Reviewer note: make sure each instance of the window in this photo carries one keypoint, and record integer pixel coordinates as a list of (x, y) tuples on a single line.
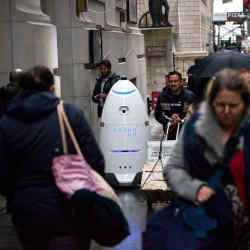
[(95, 46), (132, 11)]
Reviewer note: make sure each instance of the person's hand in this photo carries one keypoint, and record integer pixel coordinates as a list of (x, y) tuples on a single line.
[(175, 119), (99, 96), (204, 194)]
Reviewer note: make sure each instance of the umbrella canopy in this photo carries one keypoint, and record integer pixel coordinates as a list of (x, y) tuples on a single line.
[(217, 61)]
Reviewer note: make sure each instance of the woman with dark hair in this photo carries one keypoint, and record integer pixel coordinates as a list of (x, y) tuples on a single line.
[(38, 78), (29, 140), (209, 164)]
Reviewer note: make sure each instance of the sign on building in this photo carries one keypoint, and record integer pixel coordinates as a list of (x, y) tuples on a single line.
[(236, 17)]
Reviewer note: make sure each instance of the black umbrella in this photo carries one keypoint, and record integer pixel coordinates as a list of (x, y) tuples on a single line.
[(217, 61)]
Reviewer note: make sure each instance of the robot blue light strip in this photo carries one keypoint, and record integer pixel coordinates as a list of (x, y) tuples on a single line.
[(123, 93)]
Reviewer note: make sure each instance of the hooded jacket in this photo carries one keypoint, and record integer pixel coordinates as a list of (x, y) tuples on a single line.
[(29, 140), (168, 104), (7, 93)]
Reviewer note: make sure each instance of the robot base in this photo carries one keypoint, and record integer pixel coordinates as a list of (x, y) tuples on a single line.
[(113, 181)]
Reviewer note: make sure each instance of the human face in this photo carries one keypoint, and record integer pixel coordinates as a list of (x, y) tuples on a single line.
[(175, 84), (246, 76), (167, 82), (229, 108), (104, 70)]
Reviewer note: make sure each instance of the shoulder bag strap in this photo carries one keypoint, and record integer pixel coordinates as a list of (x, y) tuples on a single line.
[(68, 127), (62, 129)]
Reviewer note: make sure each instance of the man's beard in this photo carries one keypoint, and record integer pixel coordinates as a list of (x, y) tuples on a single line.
[(175, 90)]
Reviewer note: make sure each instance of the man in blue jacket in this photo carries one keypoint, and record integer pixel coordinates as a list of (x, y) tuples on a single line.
[(172, 103)]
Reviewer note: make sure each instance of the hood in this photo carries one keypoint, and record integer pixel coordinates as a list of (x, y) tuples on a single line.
[(32, 105), (11, 90)]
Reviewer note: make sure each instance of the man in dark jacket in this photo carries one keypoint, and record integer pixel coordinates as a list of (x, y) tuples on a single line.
[(8, 92), (30, 139), (103, 85), (172, 103)]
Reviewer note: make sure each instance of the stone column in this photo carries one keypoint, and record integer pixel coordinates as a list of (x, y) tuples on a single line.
[(72, 53), (159, 56), (6, 42)]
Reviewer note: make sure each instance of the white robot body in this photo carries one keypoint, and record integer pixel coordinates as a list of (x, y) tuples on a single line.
[(124, 133)]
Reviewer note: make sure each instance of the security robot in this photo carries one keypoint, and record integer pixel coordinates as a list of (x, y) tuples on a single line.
[(124, 134)]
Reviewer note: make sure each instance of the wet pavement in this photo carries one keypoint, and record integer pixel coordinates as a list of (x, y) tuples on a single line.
[(134, 205)]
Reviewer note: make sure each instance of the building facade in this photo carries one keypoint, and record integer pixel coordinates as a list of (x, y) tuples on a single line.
[(70, 37), (176, 48)]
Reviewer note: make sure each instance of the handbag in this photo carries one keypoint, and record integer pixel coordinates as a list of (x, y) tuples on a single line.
[(96, 208), (203, 227), (72, 172)]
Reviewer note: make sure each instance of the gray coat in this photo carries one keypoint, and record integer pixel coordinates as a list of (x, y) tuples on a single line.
[(176, 172)]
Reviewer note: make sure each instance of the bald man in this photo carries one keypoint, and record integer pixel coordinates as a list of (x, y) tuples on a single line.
[(8, 92)]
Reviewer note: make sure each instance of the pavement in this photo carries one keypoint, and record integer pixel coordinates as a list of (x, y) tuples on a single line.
[(134, 204)]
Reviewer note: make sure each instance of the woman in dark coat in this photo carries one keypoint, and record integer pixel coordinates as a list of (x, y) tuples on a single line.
[(29, 140)]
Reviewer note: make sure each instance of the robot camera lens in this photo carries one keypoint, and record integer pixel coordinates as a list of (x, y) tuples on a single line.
[(123, 110)]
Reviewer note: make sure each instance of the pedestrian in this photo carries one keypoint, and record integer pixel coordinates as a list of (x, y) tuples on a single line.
[(8, 92), (209, 164), (103, 85), (172, 103), (29, 140), (193, 80), (246, 74)]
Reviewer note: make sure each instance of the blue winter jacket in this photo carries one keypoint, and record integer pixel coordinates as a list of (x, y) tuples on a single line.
[(29, 140)]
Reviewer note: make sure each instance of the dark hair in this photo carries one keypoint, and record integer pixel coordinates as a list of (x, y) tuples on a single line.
[(197, 60), (228, 79), (175, 73), (107, 63), (38, 78), (15, 76)]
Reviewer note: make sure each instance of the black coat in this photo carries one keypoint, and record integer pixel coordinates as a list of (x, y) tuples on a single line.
[(168, 104), (7, 93), (112, 79), (29, 140)]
